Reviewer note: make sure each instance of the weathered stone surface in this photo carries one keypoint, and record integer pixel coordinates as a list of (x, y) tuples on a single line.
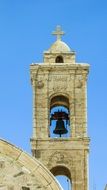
[(67, 79), (19, 170)]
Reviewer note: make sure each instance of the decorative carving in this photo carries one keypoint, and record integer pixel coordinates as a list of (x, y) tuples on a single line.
[(59, 88), (79, 84), (58, 78), (40, 84), (60, 158), (57, 157)]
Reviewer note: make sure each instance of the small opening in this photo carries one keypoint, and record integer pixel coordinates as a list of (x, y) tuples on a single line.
[(59, 59)]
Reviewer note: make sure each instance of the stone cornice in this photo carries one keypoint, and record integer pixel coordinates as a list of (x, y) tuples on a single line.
[(69, 144), (48, 67)]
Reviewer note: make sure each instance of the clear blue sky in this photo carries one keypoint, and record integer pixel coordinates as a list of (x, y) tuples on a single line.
[(25, 32)]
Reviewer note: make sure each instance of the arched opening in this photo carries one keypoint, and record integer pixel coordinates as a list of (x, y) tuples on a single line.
[(59, 117), (59, 59), (63, 176)]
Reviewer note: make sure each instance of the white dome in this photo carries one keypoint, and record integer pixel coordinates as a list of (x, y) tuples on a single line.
[(59, 46)]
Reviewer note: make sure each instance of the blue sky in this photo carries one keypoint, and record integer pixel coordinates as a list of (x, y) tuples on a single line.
[(25, 32)]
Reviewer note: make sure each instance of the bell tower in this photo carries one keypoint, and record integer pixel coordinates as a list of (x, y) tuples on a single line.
[(60, 139)]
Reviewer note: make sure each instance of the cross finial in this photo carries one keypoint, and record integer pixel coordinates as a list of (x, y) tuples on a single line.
[(58, 32)]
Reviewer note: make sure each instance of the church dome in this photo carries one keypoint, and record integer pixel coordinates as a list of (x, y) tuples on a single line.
[(59, 47)]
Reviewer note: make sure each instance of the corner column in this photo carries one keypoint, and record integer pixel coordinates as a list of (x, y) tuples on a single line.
[(34, 108)]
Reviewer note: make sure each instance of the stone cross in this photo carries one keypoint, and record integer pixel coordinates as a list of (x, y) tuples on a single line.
[(58, 32)]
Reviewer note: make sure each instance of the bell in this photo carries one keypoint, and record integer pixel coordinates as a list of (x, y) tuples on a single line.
[(60, 128)]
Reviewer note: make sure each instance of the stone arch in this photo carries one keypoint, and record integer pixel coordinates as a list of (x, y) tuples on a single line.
[(59, 93), (64, 99), (59, 101), (61, 170), (23, 165)]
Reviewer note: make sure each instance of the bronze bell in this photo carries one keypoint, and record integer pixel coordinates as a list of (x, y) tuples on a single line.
[(60, 128)]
